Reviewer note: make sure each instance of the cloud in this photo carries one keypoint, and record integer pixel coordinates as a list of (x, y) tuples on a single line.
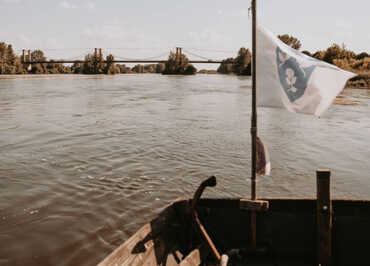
[(10, 1), (90, 5), (67, 5), (118, 33), (205, 36), (244, 12)]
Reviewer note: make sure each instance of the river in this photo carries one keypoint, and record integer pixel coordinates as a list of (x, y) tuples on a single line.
[(85, 161)]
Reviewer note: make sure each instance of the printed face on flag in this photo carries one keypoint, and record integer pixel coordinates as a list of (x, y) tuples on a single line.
[(290, 79)]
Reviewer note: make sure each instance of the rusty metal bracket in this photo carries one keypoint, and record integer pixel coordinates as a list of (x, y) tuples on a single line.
[(210, 182)]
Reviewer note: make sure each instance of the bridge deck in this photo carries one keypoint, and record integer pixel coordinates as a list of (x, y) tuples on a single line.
[(121, 61)]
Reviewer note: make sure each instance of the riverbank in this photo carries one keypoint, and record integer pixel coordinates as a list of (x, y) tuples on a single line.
[(60, 76), (361, 81)]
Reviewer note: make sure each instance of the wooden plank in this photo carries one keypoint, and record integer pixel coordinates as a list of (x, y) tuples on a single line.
[(174, 258), (146, 245), (324, 217), (254, 205), (194, 258)]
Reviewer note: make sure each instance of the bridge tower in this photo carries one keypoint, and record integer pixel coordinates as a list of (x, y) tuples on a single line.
[(100, 55), (178, 52), (23, 59), (95, 60)]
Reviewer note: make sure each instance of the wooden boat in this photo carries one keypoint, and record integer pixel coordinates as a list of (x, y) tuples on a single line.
[(224, 232), (289, 232)]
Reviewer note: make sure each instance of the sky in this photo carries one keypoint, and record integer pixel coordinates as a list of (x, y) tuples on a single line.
[(147, 28)]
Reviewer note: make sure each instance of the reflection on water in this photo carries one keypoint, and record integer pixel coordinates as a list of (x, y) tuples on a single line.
[(85, 162)]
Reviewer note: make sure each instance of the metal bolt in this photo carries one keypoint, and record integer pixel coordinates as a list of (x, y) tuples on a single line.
[(324, 208)]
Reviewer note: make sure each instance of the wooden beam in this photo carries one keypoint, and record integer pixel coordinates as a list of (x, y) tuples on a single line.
[(254, 124), (192, 259), (196, 256), (324, 217), (254, 205)]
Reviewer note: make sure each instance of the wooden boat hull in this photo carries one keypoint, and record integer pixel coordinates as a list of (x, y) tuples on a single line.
[(286, 234)]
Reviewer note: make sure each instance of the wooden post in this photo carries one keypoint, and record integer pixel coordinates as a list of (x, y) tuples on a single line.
[(29, 56), (23, 56), (324, 217), (254, 125)]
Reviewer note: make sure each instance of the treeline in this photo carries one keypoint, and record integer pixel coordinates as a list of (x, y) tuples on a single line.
[(342, 58), (10, 63), (178, 64), (240, 65), (335, 54)]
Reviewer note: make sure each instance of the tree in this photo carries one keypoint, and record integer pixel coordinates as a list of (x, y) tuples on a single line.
[(226, 66), (240, 65), (38, 55), (10, 56), (362, 55), (336, 52), (9, 62), (110, 67), (306, 53), (123, 69), (37, 69), (319, 55), (76, 68), (291, 41), (160, 68), (190, 70), (178, 64), (138, 68)]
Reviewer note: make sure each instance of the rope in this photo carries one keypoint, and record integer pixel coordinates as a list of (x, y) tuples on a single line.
[(199, 56), (142, 59)]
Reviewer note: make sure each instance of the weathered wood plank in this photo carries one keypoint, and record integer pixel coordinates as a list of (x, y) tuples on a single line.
[(174, 258), (192, 259), (324, 217), (254, 205), (146, 245)]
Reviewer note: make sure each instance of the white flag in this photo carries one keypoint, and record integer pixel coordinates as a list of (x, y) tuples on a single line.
[(290, 79)]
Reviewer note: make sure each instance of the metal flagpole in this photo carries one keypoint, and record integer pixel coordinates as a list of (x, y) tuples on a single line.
[(254, 124)]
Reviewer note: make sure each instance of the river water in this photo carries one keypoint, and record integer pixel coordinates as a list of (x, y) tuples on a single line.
[(85, 161)]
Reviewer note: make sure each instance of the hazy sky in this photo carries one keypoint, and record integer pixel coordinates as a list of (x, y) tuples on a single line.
[(213, 28)]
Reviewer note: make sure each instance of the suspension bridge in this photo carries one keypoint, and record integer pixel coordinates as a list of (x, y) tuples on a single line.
[(28, 59)]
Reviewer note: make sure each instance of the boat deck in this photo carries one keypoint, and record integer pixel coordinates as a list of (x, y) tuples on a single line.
[(286, 235)]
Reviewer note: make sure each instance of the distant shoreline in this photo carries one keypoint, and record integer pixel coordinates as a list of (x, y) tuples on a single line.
[(361, 81)]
